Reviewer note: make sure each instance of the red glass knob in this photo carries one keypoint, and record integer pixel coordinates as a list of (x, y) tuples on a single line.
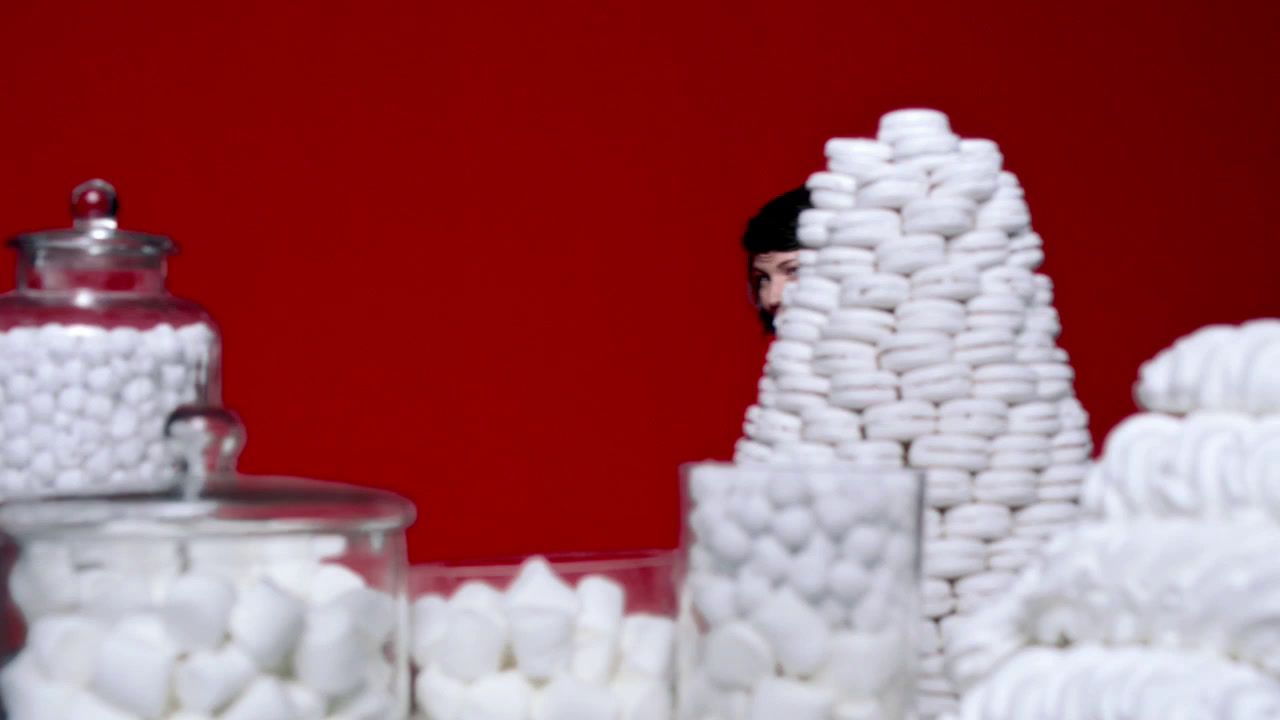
[(94, 200)]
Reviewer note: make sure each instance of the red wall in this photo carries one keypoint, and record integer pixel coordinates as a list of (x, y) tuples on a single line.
[(485, 253)]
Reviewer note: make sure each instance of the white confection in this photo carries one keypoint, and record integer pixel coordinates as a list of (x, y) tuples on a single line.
[(566, 698), (541, 608), (331, 581), (438, 693), (197, 611), (134, 668), (113, 390), (207, 680), (777, 698), (331, 653), (599, 624), (864, 663), (266, 622), (642, 699), (737, 656), (796, 632), (1218, 367), (646, 645), (502, 696), (65, 647), (265, 699), (939, 353), (475, 640)]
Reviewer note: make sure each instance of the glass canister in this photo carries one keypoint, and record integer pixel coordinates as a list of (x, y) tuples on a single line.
[(801, 594), (251, 599), (94, 356), (586, 635)]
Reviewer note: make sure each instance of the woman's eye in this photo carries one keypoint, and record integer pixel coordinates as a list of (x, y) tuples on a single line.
[(791, 271)]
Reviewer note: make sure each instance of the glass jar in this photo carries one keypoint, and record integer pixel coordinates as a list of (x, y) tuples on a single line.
[(94, 356), (801, 594), (562, 636), (253, 598)]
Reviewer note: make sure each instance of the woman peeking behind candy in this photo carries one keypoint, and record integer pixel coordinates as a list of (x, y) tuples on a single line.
[(773, 251)]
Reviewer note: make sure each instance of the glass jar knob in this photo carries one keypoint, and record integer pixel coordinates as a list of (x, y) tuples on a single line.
[(94, 203)]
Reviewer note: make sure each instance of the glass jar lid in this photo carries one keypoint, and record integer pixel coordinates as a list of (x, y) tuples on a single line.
[(94, 228), (224, 505)]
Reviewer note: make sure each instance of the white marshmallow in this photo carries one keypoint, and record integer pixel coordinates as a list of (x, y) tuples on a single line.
[(641, 699), (503, 696), (373, 611), (794, 526), (207, 680), (29, 695), (714, 597), (134, 666), (307, 703), (848, 581), (769, 558), (331, 653), (476, 639), (197, 611), (266, 621), (541, 608), (736, 656), (778, 698), (265, 699), (65, 647), (863, 664), (797, 632), (439, 694), (567, 698), (331, 581), (646, 645)]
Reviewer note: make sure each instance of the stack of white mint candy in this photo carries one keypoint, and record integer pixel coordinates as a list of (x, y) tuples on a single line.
[(83, 408), (1165, 603), (260, 628), (919, 333), (800, 598), (541, 650)]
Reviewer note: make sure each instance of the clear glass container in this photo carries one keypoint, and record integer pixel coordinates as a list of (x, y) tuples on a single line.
[(94, 356), (246, 598), (801, 594), (562, 636)]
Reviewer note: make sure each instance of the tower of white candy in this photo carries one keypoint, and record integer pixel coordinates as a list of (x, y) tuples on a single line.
[(1166, 601), (918, 333)]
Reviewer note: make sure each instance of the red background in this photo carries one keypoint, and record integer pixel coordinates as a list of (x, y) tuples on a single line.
[(485, 253)]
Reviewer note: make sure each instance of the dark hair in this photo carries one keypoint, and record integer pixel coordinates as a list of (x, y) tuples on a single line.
[(773, 229)]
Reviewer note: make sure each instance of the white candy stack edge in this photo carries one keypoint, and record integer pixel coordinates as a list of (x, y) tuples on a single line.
[(82, 408), (803, 585), (256, 629), (541, 650), (1165, 602), (918, 333)]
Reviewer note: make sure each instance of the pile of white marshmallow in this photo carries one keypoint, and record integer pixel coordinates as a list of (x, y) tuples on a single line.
[(83, 408), (803, 587), (918, 333), (263, 628), (1164, 604), (541, 650)]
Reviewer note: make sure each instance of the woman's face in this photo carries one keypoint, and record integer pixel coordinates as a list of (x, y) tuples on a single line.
[(770, 273)]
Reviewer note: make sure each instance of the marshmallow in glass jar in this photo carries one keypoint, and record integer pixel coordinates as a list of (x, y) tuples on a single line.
[(244, 599), (801, 595), (94, 356), (558, 637)]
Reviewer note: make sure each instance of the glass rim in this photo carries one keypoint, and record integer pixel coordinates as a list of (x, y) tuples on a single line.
[(96, 241), (228, 504), (568, 562)]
